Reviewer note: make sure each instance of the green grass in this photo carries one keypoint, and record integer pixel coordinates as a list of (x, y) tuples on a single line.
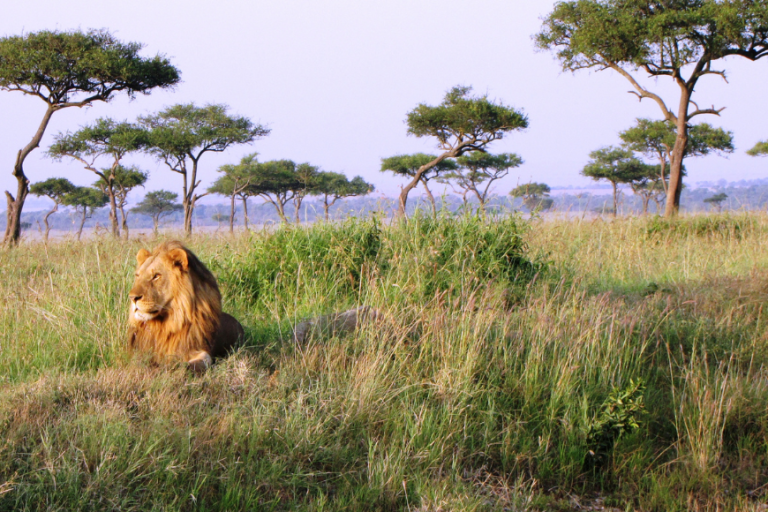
[(519, 365)]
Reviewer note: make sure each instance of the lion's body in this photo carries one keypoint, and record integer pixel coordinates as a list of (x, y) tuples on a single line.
[(176, 308)]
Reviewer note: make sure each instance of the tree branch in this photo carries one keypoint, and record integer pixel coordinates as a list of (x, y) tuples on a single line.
[(642, 92), (699, 112)]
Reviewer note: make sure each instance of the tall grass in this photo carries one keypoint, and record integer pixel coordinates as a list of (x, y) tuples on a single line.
[(517, 365)]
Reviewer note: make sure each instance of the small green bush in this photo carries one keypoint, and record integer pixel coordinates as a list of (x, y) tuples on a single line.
[(422, 257)]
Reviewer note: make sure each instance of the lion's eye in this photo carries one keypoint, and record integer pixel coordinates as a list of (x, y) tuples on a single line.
[(156, 277)]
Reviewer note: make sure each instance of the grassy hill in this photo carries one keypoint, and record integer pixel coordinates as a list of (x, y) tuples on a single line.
[(519, 365)]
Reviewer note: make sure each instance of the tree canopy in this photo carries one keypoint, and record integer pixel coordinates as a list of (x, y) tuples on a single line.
[(106, 137), (55, 189), (307, 176), (71, 69), (124, 180), (156, 204), (412, 165), (85, 200), (717, 200), (235, 181), (655, 139), (535, 195), (276, 182), (478, 170), (335, 186), (761, 148), (680, 40), (616, 165), (461, 123), (181, 134)]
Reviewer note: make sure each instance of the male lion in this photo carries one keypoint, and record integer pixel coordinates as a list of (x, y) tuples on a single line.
[(175, 308)]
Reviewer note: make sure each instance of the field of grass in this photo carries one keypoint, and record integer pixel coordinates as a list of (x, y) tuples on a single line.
[(519, 365)]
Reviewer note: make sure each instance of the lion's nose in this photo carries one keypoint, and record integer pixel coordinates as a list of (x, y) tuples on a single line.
[(135, 298)]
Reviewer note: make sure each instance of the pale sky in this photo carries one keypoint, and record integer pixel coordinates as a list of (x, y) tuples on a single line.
[(334, 80)]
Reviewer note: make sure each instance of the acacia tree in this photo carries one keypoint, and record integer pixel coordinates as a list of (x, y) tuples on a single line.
[(85, 200), (410, 165), (71, 69), (477, 171), (306, 178), (335, 186), (55, 189), (655, 139), (681, 40), (535, 195), (275, 181), (234, 182), (615, 165), (124, 179), (181, 134), (219, 217), (105, 138), (647, 183), (156, 204), (461, 123), (761, 148), (717, 200)]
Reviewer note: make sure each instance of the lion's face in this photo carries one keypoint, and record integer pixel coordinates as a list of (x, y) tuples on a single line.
[(157, 282)]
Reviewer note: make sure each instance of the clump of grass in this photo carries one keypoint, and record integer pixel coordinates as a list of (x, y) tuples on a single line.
[(344, 261)]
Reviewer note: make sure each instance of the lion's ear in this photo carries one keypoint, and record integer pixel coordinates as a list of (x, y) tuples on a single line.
[(142, 256), (178, 257)]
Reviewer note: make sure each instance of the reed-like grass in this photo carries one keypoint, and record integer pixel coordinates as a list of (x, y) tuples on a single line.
[(518, 365)]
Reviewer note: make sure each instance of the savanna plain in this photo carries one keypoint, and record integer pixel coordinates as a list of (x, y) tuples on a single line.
[(516, 365)]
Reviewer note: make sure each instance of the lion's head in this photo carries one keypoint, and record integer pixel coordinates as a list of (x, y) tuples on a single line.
[(175, 305)]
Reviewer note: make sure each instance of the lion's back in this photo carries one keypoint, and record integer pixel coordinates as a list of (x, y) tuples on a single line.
[(228, 336)]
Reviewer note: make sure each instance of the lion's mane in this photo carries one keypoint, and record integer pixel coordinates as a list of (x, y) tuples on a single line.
[(190, 321)]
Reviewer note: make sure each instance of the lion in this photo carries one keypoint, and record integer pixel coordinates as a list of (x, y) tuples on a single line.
[(175, 309)]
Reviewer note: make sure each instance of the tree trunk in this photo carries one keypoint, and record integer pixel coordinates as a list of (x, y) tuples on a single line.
[(297, 203), (45, 220), (245, 212), (430, 197), (280, 205), (124, 219), (403, 199), (155, 222), (326, 207), (615, 198), (82, 223), (13, 226), (189, 197), (113, 209), (678, 153), (646, 200), (663, 170), (480, 199), (187, 216), (16, 205)]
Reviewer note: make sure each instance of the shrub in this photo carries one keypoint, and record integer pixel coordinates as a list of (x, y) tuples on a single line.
[(421, 257)]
